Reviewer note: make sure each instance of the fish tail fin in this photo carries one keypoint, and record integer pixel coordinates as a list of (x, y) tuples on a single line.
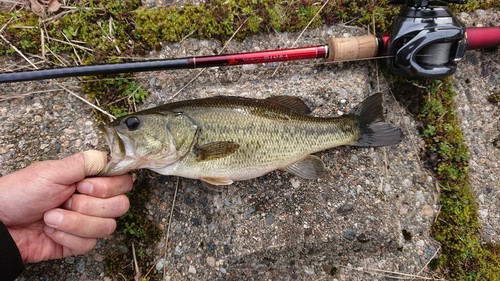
[(374, 131)]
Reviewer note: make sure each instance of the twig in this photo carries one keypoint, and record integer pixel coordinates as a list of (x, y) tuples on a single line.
[(85, 101), (42, 41), (169, 226), (128, 97), (137, 270), (122, 276), (27, 94), (167, 236), (187, 36), (14, 4), (72, 44), (78, 60), (59, 15), (60, 59), (110, 36), (429, 261), (388, 273), (18, 51), (5, 25)]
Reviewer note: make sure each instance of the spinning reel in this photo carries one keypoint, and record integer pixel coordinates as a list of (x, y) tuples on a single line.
[(426, 40)]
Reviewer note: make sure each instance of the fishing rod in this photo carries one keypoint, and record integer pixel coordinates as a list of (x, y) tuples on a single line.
[(426, 41)]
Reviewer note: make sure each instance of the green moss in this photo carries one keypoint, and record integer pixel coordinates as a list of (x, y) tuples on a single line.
[(366, 13), (494, 99), (220, 20), (304, 16), (117, 94), (457, 227), (22, 32), (138, 230), (473, 5)]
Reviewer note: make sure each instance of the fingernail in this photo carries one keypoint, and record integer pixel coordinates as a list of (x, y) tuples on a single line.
[(53, 218), (48, 230), (85, 187)]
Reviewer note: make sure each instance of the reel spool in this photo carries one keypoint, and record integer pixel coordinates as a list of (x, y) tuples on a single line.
[(426, 40)]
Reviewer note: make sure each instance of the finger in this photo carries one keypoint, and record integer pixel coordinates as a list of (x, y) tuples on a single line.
[(78, 224), (72, 244), (98, 207), (105, 187), (73, 168)]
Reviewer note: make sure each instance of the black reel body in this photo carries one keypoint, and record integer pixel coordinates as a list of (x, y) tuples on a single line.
[(426, 41)]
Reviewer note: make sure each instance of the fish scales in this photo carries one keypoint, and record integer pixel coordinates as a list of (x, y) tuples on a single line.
[(267, 142), (223, 139)]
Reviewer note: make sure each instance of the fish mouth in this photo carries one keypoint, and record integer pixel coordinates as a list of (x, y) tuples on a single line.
[(117, 154), (115, 143), (124, 157)]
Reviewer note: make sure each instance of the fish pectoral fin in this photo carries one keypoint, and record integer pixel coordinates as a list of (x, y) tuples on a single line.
[(215, 150), (309, 168), (213, 182), (291, 102)]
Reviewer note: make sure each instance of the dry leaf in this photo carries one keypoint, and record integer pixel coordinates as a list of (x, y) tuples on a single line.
[(37, 8), (54, 6)]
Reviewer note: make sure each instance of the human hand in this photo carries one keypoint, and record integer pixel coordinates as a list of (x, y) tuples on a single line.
[(53, 209)]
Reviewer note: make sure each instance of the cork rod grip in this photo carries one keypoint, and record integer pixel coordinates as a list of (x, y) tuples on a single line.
[(352, 48)]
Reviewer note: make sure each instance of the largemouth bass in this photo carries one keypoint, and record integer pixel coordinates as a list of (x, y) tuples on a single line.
[(223, 139)]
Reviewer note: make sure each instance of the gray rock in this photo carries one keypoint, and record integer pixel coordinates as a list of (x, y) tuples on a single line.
[(80, 265), (349, 234)]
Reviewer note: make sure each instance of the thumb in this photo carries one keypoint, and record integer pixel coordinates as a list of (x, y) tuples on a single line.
[(94, 162), (73, 168)]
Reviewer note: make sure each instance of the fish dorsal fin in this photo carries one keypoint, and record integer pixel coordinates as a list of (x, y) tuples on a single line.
[(213, 182), (291, 102), (215, 150), (309, 168)]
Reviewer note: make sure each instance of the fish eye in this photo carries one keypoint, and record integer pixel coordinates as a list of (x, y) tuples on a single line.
[(132, 123)]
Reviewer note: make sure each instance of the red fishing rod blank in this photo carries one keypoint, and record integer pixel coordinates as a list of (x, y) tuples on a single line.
[(169, 64), (482, 37)]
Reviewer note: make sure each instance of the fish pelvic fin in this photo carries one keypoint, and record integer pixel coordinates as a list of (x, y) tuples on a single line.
[(214, 182), (309, 168), (374, 131)]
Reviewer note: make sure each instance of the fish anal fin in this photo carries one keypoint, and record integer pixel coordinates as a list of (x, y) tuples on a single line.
[(215, 182), (212, 187), (293, 103), (309, 168), (215, 150)]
